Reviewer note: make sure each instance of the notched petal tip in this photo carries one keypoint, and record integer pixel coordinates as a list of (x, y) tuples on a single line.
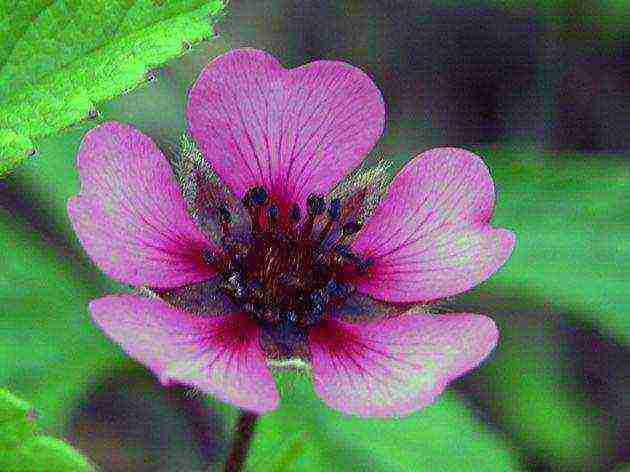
[(397, 366), (431, 236), (295, 131)]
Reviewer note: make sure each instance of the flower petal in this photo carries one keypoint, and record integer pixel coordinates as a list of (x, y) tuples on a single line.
[(430, 238), (220, 355), (294, 131), (130, 215), (398, 365)]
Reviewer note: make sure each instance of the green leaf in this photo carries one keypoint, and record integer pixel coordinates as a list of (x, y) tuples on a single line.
[(45, 324), (13, 145), (24, 449), (570, 216), (16, 420), (445, 436), (546, 416), (52, 77), (283, 456), (526, 388)]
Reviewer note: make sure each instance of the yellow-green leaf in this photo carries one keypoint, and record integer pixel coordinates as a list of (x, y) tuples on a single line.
[(52, 77), (24, 449)]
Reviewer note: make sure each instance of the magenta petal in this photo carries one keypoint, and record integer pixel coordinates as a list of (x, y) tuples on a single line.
[(398, 365), (220, 355), (431, 237), (294, 131), (130, 215)]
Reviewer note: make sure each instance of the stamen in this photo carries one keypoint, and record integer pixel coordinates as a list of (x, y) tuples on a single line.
[(224, 214), (225, 218), (272, 316), (260, 196), (296, 213), (287, 275), (255, 285), (335, 289), (289, 336), (315, 315), (254, 199), (316, 204), (208, 257), (334, 210), (345, 252), (272, 216), (351, 228), (365, 264), (319, 297), (291, 317), (256, 196), (318, 306), (237, 284)]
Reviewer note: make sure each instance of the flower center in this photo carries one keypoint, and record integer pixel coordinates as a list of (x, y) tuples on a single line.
[(289, 270)]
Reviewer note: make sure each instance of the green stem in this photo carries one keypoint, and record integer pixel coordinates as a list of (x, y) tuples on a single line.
[(241, 441)]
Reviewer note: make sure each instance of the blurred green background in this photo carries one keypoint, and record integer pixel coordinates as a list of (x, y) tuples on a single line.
[(539, 90)]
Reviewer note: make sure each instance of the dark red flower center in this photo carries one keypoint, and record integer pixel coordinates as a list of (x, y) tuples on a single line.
[(289, 271), (287, 266)]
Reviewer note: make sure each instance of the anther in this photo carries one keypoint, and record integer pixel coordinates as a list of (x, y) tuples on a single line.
[(365, 264), (224, 214), (272, 214), (351, 228), (260, 196), (256, 196), (345, 252), (334, 210), (316, 204), (296, 213), (208, 257), (291, 317)]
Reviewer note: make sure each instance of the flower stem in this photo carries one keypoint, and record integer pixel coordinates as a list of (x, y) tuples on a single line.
[(242, 439)]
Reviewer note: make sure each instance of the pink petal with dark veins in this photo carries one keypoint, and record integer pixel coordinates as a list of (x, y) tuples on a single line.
[(220, 355), (130, 215), (295, 131), (396, 366), (431, 237)]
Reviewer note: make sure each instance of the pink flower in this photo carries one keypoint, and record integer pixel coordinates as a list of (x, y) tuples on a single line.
[(287, 264)]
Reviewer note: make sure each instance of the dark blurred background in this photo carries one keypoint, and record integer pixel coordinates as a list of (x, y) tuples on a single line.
[(539, 90)]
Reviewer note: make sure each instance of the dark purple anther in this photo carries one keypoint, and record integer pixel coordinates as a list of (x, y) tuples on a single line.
[(351, 228), (316, 204), (296, 212), (272, 212), (224, 214), (334, 210)]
